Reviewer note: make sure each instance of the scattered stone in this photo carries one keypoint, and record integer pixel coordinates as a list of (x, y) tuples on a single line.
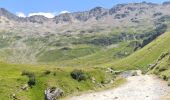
[(25, 87), (53, 93), (134, 73), (99, 85), (109, 70), (111, 82), (139, 72), (93, 80), (152, 66), (14, 97), (130, 73)]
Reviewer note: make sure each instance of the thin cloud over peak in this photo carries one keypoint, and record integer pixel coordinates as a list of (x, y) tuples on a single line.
[(20, 14), (64, 11), (46, 14)]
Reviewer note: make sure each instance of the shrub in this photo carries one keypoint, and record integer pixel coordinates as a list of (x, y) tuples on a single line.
[(47, 72), (54, 73), (27, 73), (164, 77), (162, 69), (102, 82), (31, 81), (78, 75), (31, 77)]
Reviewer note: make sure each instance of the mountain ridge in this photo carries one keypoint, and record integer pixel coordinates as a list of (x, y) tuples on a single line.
[(96, 10)]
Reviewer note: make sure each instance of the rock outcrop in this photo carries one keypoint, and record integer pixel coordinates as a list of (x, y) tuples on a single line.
[(53, 93)]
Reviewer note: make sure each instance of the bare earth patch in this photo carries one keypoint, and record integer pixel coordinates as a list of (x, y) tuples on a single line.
[(146, 87)]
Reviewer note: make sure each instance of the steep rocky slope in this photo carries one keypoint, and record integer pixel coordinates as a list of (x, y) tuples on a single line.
[(134, 17)]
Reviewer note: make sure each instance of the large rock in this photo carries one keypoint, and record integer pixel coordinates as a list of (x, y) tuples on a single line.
[(131, 73), (53, 93)]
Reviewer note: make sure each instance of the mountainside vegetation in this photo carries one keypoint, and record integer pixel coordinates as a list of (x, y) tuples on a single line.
[(64, 37), (145, 57), (14, 80), (82, 51)]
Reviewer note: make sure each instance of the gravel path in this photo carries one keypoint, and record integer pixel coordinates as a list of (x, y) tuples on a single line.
[(146, 87)]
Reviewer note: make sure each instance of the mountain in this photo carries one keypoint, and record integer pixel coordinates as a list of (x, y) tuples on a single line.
[(7, 14), (94, 32), (82, 51), (123, 16)]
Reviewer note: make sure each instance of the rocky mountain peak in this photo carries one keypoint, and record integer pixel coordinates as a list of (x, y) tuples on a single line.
[(3, 11), (98, 12), (166, 3), (7, 14), (98, 9), (66, 17), (37, 19)]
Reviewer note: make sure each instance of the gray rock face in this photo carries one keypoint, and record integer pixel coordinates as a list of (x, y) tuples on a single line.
[(37, 19), (62, 18), (117, 12), (98, 12), (116, 8), (7, 14), (53, 93)]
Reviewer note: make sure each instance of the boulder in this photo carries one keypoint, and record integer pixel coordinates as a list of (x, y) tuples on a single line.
[(53, 93)]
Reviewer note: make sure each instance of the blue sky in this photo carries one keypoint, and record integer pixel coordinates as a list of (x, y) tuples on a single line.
[(56, 6)]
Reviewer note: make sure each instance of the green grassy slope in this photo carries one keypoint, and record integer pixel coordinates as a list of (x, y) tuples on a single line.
[(16, 48), (147, 55), (67, 53), (107, 54), (162, 67), (12, 80)]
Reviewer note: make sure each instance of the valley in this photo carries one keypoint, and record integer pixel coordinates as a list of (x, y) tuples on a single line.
[(73, 53)]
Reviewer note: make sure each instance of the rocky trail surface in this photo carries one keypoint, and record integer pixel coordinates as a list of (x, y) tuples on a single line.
[(142, 87)]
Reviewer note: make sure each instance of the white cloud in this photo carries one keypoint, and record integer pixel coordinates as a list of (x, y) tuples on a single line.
[(48, 15), (65, 11), (20, 14)]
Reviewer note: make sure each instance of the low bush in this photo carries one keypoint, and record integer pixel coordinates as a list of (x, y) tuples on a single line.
[(164, 77), (31, 77), (27, 73), (162, 69), (78, 75), (31, 81), (47, 72), (54, 73)]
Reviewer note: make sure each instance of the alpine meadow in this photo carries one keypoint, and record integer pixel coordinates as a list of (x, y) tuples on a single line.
[(117, 53)]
